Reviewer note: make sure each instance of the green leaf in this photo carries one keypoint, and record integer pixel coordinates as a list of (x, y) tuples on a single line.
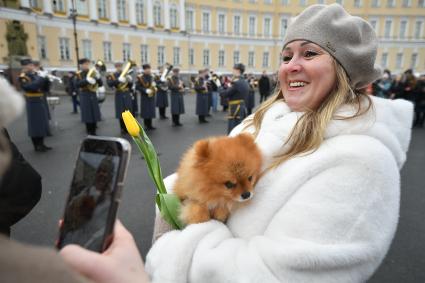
[(170, 208)]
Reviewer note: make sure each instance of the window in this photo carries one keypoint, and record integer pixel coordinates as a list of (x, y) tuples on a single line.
[(387, 30), (59, 6), (107, 51), (399, 61), (42, 52), (236, 24), (157, 20), (161, 55), (390, 3), (374, 24), (102, 8), (265, 59), (221, 23), (236, 57), (251, 55), (251, 26), (122, 11), (284, 2), (418, 29), (421, 3), (406, 3), (82, 8), (126, 52), (191, 57), (35, 4), (267, 1), (206, 57), (283, 26), (87, 52), (173, 17), (267, 26), (64, 48), (144, 55), (176, 56), (140, 12), (375, 3), (357, 3), (403, 25), (413, 60), (320, 1), (189, 20), (303, 2), (206, 22), (384, 59), (221, 58), (340, 2)]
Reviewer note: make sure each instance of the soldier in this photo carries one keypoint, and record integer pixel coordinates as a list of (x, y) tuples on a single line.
[(237, 94), (250, 100), (37, 117), (46, 86), (201, 89), (89, 105), (123, 99), (147, 87), (161, 95), (177, 103)]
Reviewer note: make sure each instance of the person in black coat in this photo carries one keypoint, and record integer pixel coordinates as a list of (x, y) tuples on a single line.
[(176, 87), (20, 188), (202, 103), (420, 102), (162, 94), (37, 113), (147, 87), (72, 91), (264, 86), (237, 94)]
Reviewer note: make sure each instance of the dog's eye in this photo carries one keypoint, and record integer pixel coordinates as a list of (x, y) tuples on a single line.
[(229, 185), (250, 178)]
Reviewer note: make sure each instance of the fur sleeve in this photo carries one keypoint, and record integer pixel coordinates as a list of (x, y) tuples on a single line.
[(336, 227)]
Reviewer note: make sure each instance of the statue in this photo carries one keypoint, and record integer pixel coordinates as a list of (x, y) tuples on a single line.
[(16, 38)]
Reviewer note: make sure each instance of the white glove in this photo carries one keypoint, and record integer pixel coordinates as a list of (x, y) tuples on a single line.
[(42, 74), (122, 79), (129, 78), (148, 91), (97, 75), (91, 80), (153, 84), (163, 79)]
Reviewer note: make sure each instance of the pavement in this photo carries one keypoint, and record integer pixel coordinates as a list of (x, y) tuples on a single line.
[(404, 262)]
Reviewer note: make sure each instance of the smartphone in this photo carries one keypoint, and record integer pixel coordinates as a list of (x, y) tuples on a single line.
[(95, 193)]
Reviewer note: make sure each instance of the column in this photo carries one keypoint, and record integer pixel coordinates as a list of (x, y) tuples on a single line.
[(166, 15), (25, 4), (113, 10), (182, 16), (93, 11), (47, 7), (132, 12), (149, 12)]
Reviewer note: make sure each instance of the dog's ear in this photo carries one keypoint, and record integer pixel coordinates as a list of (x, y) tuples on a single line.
[(246, 138), (202, 149)]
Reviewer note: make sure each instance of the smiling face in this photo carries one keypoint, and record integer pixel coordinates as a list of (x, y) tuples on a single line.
[(307, 75)]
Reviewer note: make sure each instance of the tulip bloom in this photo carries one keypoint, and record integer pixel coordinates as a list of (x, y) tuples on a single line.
[(131, 124)]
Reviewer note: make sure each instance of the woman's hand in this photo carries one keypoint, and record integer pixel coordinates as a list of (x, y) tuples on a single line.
[(121, 262)]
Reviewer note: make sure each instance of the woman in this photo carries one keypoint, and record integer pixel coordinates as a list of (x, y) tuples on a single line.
[(326, 208)]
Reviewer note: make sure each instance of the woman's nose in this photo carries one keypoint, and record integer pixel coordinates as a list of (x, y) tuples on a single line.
[(293, 65)]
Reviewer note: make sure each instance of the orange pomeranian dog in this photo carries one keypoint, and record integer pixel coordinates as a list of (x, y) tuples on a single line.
[(214, 175)]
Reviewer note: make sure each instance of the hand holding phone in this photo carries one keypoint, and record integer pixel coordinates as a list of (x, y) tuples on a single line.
[(95, 193)]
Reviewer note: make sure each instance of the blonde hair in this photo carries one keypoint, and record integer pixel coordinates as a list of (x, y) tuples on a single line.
[(308, 133)]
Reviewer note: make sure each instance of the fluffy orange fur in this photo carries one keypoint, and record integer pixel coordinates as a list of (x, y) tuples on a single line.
[(214, 175)]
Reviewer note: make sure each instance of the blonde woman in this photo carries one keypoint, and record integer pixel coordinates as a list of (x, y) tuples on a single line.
[(326, 208)]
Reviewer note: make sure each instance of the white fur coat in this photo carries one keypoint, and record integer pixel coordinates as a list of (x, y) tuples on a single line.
[(325, 217)]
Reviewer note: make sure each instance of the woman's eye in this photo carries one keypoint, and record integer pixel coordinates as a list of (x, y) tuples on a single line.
[(230, 185), (286, 59), (310, 53)]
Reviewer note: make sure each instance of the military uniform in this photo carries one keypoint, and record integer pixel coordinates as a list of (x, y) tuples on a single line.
[(202, 104), (161, 96), (237, 95), (37, 117), (177, 101), (89, 105), (250, 99), (147, 101), (123, 98)]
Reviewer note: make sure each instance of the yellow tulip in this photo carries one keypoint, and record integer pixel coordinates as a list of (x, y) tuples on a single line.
[(131, 124)]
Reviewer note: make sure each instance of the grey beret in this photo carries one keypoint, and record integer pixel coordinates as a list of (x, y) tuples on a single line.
[(349, 39)]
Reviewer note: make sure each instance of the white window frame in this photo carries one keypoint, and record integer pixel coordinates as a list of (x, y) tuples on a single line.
[(189, 18), (122, 10), (421, 3), (414, 60), (399, 61), (406, 5), (107, 51), (221, 57), (406, 29), (303, 3), (224, 24), (284, 2), (144, 53), (375, 3), (59, 6), (191, 56), (384, 63), (140, 12), (251, 58), (391, 3), (176, 56), (251, 32), (87, 48), (126, 51), (388, 36), (157, 13), (358, 3), (174, 16), (161, 55), (206, 29), (206, 57), (64, 49), (237, 28), (102, 8), (282, 30), (321, 2), (340, 2), (236, 55), (42, 47), (416, 34), (266, 63), (268, 33)]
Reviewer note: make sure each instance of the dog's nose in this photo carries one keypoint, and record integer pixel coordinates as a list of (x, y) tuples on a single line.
[(245, 195)]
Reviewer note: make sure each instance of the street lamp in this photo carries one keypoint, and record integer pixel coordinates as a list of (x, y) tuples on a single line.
[(73, 15)]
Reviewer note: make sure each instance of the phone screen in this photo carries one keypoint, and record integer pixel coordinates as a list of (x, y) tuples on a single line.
[(91, 198)]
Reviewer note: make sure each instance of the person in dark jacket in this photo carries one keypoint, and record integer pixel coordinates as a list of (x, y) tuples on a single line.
[(37, 113), (176, 87), (202, 104), (88, 82), (237, 94), (162, 93), (72, 91), (420, 102), (147, 87), (123, 99), (250, 100), (264, 86)]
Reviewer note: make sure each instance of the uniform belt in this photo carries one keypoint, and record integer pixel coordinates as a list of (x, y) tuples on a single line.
[(122, 90), (33, 94), (234, 102)]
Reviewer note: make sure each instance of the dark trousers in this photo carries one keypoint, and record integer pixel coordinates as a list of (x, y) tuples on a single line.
[(122, 126), (176, 119), (135, 105), (419, 118), (75, 103), (263, 97), (91, 128), (162, 112), (202, 119), (37, 141), (148, 123)]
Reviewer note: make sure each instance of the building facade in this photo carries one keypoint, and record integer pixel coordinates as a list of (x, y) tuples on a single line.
[(193, 34)]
